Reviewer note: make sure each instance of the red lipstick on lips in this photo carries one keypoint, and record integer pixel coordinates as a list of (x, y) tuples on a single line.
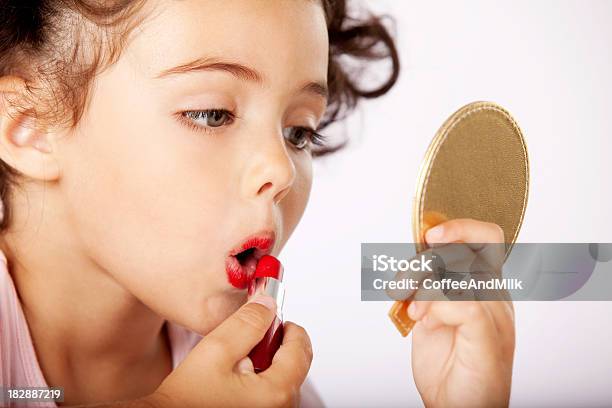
[(268, 279), (241, 262)]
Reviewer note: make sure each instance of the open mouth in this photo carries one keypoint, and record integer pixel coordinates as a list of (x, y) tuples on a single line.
[(248, 261), (242, 260), (247, 256)]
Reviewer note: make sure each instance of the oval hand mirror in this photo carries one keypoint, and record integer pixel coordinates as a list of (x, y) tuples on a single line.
[(475, 167)]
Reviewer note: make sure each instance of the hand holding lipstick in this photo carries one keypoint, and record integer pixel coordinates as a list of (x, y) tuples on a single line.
[(218, 372)]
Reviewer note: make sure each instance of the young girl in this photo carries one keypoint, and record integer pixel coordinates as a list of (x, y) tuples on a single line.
[(143, 145)]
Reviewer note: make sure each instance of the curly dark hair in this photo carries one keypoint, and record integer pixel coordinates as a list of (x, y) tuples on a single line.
[(45, 42)]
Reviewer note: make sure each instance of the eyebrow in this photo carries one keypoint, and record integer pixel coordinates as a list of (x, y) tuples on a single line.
[(239, 71)]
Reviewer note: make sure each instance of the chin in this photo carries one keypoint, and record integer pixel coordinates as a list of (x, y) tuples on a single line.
[(214, 311)]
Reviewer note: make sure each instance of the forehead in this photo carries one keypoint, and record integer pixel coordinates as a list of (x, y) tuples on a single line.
[(273, 36)]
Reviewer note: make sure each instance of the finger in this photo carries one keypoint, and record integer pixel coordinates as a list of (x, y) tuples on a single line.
[(455, 257), (397, 293), (485, 238), (422, 301), (415, 276), (502, 312), (429, 295), (239, 333), (292, 361), (471, 318), (465, 230), (489, 260), (458, 262)]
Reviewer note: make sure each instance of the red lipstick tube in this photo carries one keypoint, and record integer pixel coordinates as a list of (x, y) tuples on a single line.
[(268, 280)]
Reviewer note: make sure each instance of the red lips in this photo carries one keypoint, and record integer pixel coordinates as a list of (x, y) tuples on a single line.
[(242, 260)]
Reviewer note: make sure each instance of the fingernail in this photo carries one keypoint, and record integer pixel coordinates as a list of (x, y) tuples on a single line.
[(264, 300), (435, 234), (245, 366), (412, 310)]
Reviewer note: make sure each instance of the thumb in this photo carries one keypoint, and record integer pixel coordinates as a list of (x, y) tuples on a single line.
[(238, 334)]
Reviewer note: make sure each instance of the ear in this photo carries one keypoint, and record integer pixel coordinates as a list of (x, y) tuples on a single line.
[(24, 145)]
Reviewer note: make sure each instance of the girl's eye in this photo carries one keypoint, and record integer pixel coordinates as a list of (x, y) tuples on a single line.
[(210, 118), (300, 136)]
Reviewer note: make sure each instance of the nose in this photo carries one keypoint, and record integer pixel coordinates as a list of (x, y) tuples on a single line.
[(271, 171)]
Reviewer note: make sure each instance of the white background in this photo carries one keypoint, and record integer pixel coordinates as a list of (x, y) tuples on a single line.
[(550, 64)]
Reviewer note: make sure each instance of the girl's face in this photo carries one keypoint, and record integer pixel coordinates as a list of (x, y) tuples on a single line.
[(193, 142)]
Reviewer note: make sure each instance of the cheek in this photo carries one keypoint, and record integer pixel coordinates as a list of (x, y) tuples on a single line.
[(145, 209), (294, 203)]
